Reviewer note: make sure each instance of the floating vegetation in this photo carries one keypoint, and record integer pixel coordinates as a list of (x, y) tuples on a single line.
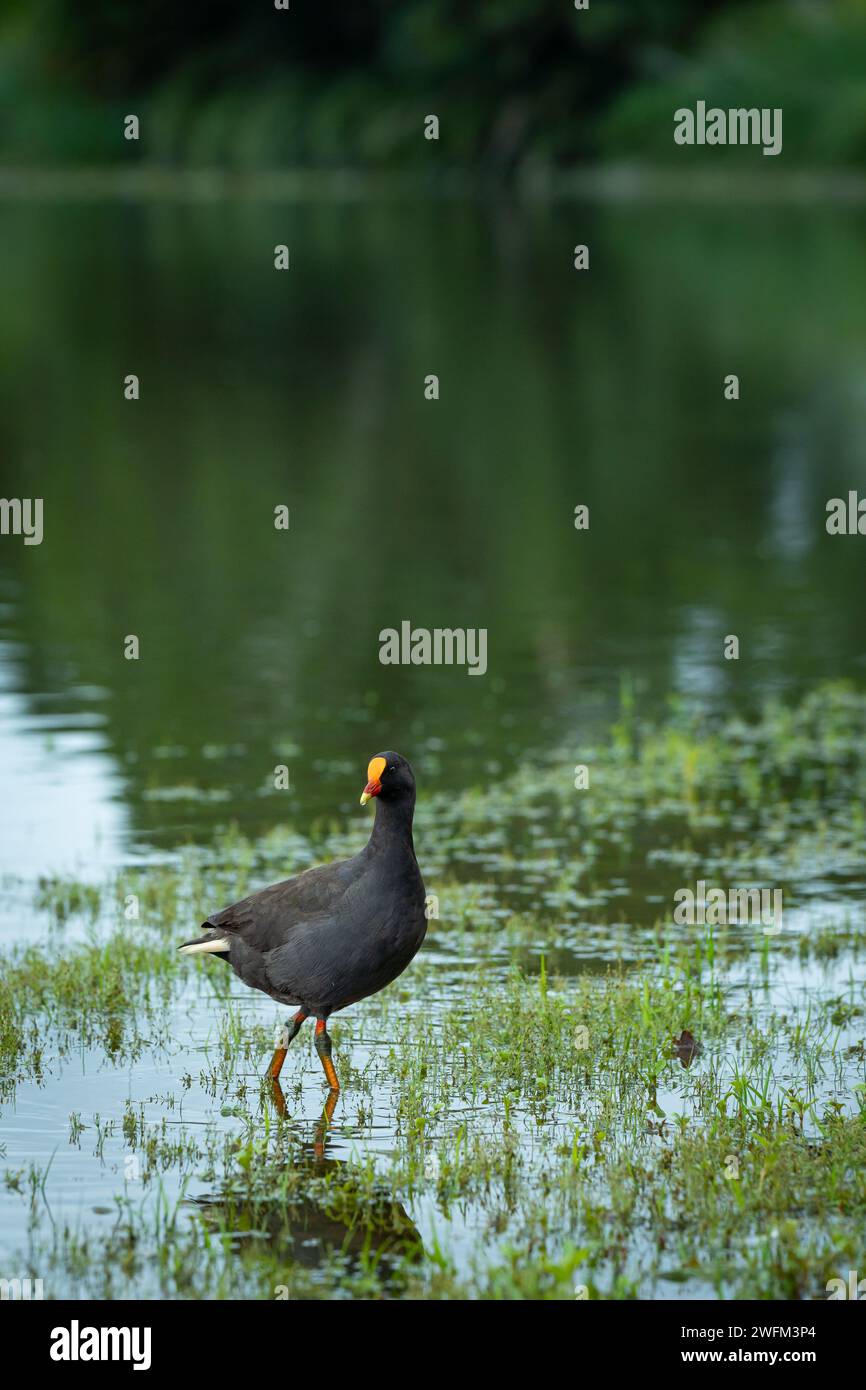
[(566, 1095)]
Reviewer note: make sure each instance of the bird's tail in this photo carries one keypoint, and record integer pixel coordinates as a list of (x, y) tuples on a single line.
[(205, 945)]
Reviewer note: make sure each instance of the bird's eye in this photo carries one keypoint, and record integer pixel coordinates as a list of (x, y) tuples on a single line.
[(392, 768)]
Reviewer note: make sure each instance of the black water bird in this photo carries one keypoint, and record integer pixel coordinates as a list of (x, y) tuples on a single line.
[(337, 933)]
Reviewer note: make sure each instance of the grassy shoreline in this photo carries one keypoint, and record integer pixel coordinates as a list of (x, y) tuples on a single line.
[(609, 182), (517, 1120)]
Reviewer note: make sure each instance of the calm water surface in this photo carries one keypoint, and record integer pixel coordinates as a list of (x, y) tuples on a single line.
[(306, 389)]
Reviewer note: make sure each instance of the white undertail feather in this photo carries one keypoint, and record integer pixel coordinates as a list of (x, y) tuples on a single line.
[(215, 945)]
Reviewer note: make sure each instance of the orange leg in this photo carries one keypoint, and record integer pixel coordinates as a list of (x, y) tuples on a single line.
[(323, 1047), (289, 1032)]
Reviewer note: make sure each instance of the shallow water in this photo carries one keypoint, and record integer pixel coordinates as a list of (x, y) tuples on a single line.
[(260, 647)]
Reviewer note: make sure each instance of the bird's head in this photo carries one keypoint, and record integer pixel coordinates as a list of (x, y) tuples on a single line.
[(390, 777)]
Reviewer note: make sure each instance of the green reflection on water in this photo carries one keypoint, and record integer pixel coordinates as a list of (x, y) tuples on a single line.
[(260, 646)]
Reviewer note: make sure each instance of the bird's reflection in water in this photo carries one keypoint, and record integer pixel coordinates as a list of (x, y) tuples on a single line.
[(322, 1127), (313, 1206)]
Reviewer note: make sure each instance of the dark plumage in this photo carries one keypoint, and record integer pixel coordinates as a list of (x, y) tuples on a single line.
[(338, 933)]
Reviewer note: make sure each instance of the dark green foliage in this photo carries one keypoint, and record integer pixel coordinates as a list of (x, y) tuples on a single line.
[(521, 82)]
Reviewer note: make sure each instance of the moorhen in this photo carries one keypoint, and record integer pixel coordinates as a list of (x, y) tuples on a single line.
[(337, 933)]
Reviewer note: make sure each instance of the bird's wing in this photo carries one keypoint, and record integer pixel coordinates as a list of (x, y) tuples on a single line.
[(263, 919)]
